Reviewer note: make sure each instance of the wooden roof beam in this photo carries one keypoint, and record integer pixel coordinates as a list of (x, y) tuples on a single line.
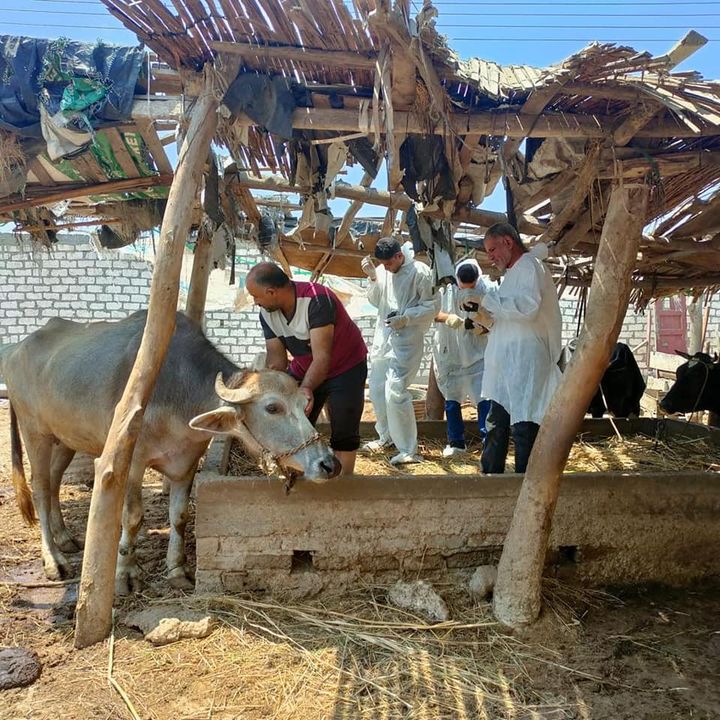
[(75, 191), (506, 123), (334, 58), (399, 201), (647, 110), (587, 172)]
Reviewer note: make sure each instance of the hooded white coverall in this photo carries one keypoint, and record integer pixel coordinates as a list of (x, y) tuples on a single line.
[(396, 355), (459, 355)]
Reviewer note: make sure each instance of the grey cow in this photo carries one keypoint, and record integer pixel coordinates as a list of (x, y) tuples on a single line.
[(64, 381)]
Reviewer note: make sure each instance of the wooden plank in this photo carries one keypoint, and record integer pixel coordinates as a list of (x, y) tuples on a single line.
[(156, 149), (43, 176), (121, 153), (640, 117), (77, 191), (88, 167), (665, 361)]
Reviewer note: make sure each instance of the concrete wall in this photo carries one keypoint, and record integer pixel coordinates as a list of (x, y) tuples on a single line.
[(78, 282), (608, 528)]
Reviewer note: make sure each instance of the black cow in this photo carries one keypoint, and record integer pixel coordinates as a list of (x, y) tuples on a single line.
[(621, 386), (697, 385)]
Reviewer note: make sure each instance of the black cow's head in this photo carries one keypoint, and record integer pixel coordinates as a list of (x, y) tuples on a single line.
[(697, 385)]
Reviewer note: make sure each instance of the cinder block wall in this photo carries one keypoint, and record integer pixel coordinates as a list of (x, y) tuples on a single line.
[(78, 283), (608, 528)]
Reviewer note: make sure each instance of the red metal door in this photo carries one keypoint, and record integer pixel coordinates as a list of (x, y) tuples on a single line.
[(671, 324)]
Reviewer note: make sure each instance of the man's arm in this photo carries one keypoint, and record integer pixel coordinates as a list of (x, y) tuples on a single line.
[(321, 342), (374, 288), (277, 358), (524, 301), (428, 302)]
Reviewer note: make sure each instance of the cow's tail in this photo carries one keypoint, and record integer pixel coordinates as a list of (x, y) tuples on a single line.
[(23, 496)]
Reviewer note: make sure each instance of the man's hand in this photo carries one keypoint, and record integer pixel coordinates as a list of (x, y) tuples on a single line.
[(454, 321), (366, 264), (397, 322), (483, 317), (308, 393)]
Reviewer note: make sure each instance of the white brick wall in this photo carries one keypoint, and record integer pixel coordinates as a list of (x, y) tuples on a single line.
[(74, 282)]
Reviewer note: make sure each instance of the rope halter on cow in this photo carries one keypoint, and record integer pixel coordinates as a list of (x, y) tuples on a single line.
[(268, 459)]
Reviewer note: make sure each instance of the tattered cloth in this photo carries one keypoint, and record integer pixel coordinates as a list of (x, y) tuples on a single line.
[(95, 79)]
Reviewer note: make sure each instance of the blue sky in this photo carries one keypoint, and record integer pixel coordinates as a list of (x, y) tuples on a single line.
[(531, 32)]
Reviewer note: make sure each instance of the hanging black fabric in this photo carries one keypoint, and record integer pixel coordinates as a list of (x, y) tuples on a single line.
[(423, 160), (268, 101), (62, 70)]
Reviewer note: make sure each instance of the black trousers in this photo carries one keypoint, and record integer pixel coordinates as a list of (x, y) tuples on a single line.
[(345, 396), (498, 438)]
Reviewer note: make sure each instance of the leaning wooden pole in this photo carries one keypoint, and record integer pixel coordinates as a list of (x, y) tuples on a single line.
[(517, 592), (97, 584)]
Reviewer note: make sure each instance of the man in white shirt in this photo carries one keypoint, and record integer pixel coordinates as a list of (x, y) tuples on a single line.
[(524, 346)]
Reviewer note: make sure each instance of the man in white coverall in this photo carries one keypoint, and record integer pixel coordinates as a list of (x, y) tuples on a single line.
[(524, 345), (402, 291), (459, 353)]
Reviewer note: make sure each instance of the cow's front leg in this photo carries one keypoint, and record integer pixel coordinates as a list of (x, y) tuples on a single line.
[(178, 574), (127, 574)]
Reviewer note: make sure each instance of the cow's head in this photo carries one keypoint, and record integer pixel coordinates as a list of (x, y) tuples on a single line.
[(266, 411), (697, 382)]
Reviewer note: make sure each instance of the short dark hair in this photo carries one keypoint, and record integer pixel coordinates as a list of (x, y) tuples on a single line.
[(506, 230), (386, 248), (269, 275), (468, 273)]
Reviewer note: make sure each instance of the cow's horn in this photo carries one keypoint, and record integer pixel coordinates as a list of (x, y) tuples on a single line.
[(683, 354), (231, 395)]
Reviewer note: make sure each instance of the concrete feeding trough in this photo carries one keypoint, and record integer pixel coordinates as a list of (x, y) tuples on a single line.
[(614, 527)]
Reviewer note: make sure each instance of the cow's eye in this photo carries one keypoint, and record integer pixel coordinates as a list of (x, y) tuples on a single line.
[(273, 408)]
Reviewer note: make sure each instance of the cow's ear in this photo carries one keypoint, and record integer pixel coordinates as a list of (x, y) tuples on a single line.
[(218, 422), (683, 354)]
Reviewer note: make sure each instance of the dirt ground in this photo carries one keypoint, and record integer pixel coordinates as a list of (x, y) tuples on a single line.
[(640, 653)]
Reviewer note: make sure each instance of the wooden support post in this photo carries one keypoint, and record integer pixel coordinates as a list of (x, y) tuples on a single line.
[(197, 294), (97, 585), (434, 400), (517, 591)]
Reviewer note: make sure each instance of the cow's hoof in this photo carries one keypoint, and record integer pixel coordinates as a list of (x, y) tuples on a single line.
[(128, 582), (180, 580), (57, 567), (69, 544)]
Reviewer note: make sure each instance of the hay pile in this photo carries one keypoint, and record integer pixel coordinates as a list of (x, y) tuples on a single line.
[(358, 657), (11, 154), (637, 453)]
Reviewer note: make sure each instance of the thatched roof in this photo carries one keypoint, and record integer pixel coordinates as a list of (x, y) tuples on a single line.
[(606, 114)]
